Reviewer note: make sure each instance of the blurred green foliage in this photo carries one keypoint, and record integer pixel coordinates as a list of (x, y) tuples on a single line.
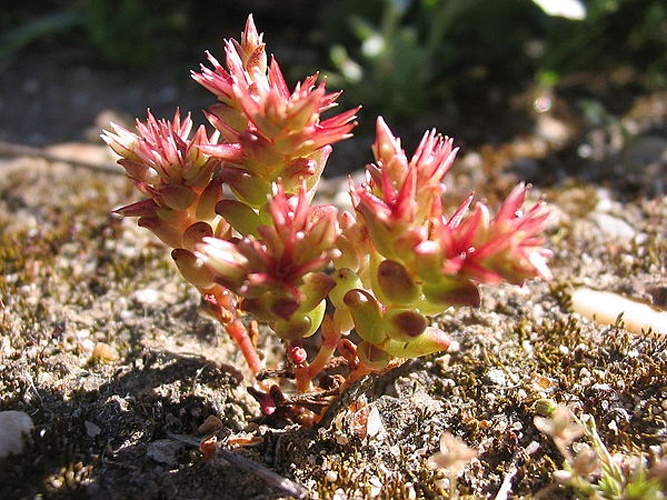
[(614, 33), (399, 57), (410, 53), (126, 32), (133, 32), (406, 57)]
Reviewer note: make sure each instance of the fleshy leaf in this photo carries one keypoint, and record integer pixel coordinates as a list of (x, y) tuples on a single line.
[(430, 341), (366, 315)]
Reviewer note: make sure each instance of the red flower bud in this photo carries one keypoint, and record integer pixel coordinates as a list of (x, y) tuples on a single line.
[(297, 355)]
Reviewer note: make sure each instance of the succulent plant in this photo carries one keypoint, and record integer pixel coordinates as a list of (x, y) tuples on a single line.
[(263, 248)]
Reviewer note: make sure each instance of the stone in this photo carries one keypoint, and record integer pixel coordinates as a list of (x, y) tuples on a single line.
[(15, 427)]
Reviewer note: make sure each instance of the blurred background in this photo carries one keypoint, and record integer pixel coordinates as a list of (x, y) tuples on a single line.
[(546, 89)]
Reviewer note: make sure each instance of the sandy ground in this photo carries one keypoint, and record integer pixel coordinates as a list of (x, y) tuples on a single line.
[(103, 347)]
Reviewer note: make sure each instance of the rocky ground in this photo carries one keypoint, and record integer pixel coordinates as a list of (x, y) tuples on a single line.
[(101, 343)]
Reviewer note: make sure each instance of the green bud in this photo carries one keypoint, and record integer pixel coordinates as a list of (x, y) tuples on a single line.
[(192, 268), (395, 283), (177, 197), (452, 292), (241, 217), (372, 356), (545, 407), (366, 314), (345, 280), (404, 325), (430, 341)]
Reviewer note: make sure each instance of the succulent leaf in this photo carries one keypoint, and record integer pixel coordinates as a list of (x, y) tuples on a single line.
[(241, 217), (366, 314), (430, 341), (404, 325), (192, 268), (395, 283), (372, 356)]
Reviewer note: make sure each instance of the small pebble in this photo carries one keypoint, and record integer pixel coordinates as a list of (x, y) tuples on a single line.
[(375, 487), (332, 476), (164, 451), (496, 377), (93, 430), (605, 307), (147, 297), (14, 427), (613, 227), (374, 425), (103, 352), (212, 423)]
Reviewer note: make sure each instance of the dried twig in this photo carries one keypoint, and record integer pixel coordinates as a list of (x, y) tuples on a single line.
[(520, 455), (286, 485)]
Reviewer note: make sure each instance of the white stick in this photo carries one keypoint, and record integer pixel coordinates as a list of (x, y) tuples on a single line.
[(605, 308)]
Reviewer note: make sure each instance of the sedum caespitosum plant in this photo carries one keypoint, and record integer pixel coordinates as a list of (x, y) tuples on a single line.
[(236, 206)]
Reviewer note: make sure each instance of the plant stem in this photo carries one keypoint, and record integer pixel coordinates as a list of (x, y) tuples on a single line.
[(227, 314), (330, 337)]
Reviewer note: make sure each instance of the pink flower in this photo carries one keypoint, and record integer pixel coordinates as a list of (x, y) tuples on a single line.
[(426, 258), (300, 238), (400, 196), (281, 132), (272, 268), (162, 153), (168, 165), (505, 247)]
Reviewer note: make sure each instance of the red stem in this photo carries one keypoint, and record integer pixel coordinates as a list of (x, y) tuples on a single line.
[(330, 338), (227, 314)]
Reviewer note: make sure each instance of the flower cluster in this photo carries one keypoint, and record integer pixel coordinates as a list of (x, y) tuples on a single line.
[(407, 260), (237, 209), (279, 133), (169, 167)]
